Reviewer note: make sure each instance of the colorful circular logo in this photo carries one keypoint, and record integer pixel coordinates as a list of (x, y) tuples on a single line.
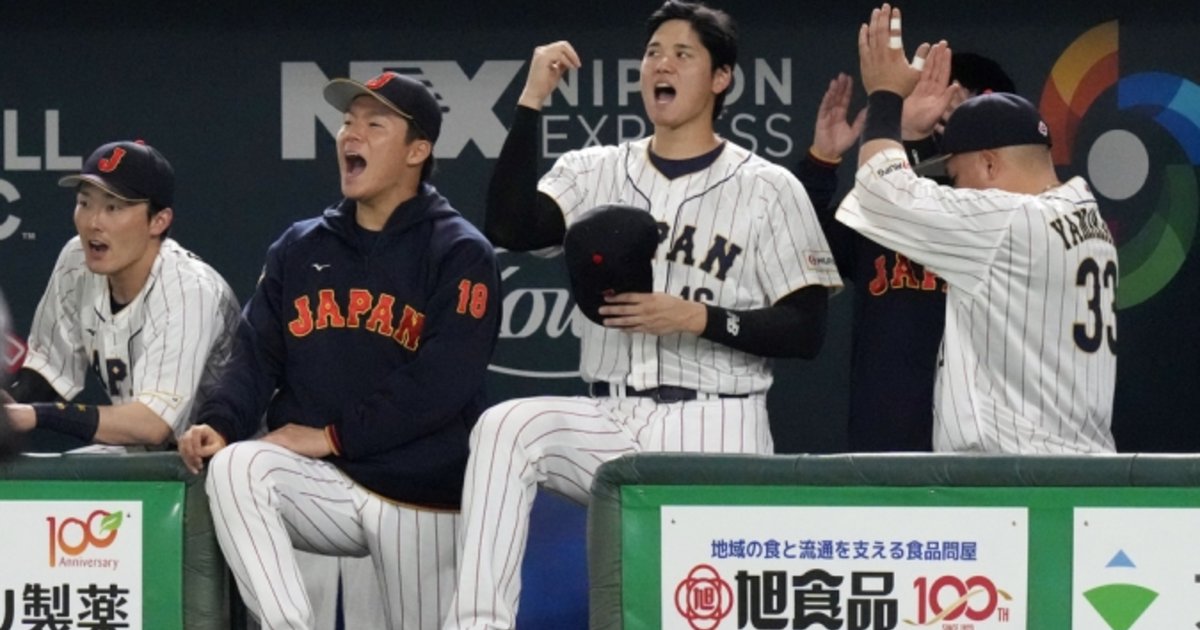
[(703, 598), (1139, 139)]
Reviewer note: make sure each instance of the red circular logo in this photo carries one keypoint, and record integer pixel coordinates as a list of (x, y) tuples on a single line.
[(703, 598)]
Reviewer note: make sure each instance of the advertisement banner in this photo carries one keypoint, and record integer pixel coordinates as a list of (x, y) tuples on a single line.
[(843, 567), (1136, 568), (950, 558), (90, 555)]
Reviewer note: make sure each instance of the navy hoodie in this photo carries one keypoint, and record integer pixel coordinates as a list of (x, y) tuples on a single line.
[(385, 340)]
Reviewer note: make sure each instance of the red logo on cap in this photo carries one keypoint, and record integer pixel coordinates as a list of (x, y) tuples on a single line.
[(109, 164), (380, 80)]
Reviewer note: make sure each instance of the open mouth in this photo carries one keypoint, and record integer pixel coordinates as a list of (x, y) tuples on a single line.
[(355, 164), (664, 93), (96, 247)]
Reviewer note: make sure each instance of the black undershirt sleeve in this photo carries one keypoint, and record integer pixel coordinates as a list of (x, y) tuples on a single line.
[(517, 216), (31, 387), (793, 327)]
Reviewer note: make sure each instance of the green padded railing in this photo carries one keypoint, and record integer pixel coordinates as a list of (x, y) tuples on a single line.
[(891, 470), (205, 585)]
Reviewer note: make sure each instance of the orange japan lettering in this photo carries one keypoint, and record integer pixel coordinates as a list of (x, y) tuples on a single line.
[(328, 311), (303, 324)]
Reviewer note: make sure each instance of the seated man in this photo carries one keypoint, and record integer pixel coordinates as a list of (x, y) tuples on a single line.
[(738, 272), (365, 344), (150, 319)]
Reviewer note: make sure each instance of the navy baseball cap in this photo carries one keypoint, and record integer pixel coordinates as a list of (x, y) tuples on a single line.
[(609, 251), (404, 95), (130, 170), (988, 121)]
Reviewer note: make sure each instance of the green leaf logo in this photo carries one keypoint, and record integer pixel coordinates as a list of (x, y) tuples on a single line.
[(111, 522), (1120, 605)]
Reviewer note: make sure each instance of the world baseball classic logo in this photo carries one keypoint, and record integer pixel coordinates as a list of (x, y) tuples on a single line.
[(703, 598), (1137, 137)]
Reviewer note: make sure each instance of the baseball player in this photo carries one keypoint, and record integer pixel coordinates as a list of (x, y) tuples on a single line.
[(148, 317), (742, 273), (891, 375), (366, 344), (1028, 359)]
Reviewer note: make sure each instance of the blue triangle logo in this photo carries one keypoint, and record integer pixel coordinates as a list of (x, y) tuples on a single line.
[(1120, 560)]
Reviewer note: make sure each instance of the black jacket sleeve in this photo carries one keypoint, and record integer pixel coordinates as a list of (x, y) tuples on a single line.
[(517, 216), (256, 364), (793, 327), (820, 180)]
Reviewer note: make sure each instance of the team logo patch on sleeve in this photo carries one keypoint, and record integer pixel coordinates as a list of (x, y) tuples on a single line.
[(892, 167), (820, 261)]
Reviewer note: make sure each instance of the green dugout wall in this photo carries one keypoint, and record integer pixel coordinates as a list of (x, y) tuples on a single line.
[(158, 497), (1046, 543)]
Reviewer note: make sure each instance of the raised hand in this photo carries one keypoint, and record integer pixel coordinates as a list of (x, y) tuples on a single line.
[(833, 134), (546, 69), (881, 58), (930, 100)]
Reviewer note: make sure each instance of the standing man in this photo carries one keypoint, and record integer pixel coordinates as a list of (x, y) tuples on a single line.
[(741, 273), (149, 318), (1028, 361), (891, 374), (366, 344)]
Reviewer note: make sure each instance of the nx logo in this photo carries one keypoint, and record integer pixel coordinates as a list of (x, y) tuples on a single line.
[(586, 100), (467, 102), (11, 223)]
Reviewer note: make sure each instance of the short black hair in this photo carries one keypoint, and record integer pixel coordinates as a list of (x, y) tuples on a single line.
[(980, 74), (413, 134), (717, 31)]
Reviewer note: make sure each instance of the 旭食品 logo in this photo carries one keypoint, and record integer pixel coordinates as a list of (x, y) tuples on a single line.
[(703, 598), (71, 537), (1141, 134)]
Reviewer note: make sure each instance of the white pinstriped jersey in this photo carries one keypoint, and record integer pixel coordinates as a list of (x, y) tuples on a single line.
[(1028, 360), (164, 349), (739, 234)]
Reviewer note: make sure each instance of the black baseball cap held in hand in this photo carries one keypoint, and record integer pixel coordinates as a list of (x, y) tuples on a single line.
[(131, 170), (990, 121), (404, 95), (609, 251)]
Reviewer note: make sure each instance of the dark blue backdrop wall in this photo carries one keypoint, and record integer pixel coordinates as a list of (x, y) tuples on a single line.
[(232, 95)]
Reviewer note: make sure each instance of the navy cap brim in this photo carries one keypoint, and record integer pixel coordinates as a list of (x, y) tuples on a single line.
[(341, 93), (71, 181), (934, 166)]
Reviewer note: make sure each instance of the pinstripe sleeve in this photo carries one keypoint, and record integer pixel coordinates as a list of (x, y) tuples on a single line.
[(189, 316), (792, 251), (566, 182), (56, 337), (954, 232)]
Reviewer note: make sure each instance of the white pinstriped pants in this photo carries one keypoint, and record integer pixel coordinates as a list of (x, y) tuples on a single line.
[(267, 500), (558, 443)]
